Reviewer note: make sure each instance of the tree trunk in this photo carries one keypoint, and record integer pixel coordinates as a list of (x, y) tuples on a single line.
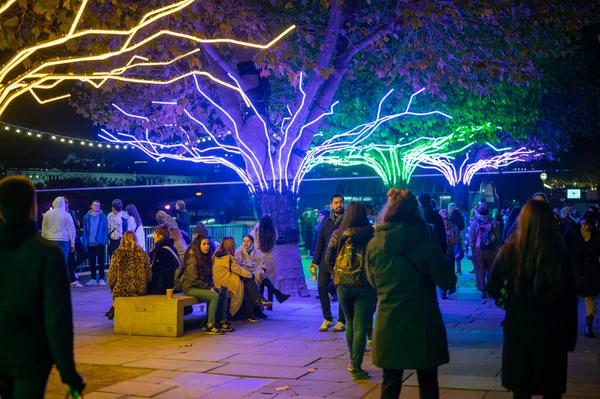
[(460, 196), (282, 207)]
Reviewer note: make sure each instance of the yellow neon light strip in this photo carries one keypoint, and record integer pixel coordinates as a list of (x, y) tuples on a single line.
[(48, 100), (6, 5)]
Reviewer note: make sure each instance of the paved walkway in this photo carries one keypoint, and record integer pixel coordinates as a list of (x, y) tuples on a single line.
[(285, 356)]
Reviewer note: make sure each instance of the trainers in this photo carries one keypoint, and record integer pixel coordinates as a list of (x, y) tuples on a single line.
[(91, 283), (211, 329), (251, 319), (325, 326), (77, 284), (102, 282), (350, 368), (369, 342), (226, 327), (339, 327), (359, 374)]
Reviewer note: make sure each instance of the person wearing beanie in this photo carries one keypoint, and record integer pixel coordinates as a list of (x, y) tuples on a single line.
[(36, 331)]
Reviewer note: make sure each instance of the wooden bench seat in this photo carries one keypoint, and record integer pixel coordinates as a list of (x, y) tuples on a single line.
[(152, 315)]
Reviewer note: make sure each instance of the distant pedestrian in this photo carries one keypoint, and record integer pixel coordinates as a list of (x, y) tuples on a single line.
[(95, 238), (136, 226), (164, 260), (533, 279), (80, 250), (456, 217), (484, 241), (130, 270), (117, 225), (182, 217), (434, 220), (323, 214), (453, 240), (36, 320), (583, 243), (567, 220), (404, 264), (346, 256), (58, 227), (307, 227)]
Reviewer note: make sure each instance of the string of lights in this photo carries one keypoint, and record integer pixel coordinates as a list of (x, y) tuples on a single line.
[(58, 138)]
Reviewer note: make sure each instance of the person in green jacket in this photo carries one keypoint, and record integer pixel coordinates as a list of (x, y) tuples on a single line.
[(36, 328), (404, 264)]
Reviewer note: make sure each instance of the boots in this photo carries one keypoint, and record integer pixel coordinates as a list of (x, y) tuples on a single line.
[(589, 327), (280, 296)]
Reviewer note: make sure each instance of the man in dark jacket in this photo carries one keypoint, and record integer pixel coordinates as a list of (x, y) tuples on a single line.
[(182, 217), (80, 250), (36, 328), (434, 220), (328, 226)]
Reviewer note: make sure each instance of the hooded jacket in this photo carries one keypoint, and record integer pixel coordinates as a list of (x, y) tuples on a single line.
[(356, 238), (101, 231), (36, 327), (404, 264), (57, 224)]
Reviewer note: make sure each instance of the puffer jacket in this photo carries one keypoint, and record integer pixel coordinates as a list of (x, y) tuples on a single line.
[(347, 250), (197, 271)]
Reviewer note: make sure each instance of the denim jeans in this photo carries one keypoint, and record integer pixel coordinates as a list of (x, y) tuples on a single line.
[(358, 307), (65, 248), (217, 305), (323, 289)]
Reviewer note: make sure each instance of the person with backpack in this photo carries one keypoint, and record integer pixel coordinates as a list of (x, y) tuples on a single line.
[(117, 225), (453, 240), (404, 264), (483, 240), (345, 256), (164, 261)]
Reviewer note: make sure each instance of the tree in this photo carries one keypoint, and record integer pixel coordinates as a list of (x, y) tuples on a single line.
[(343, 47)]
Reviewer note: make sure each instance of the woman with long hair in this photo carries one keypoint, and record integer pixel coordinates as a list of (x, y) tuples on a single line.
[(178, 242), (197, 281), (345, 255), (404, 265), (583, 243), (163, 217), (265, 239), (240, 282), (533, 279), (249, 258), (130, 270), (135, 225)]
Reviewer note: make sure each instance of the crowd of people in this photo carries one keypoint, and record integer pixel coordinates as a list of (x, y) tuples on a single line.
[(532, 261)]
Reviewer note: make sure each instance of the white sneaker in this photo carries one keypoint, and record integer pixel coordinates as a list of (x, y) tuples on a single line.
[(102, 282), (325, 326), (339, 327), (77, 284), (91, 283)]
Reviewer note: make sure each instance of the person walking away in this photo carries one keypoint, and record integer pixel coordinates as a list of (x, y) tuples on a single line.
[(58, 227), (197, 281), (308, 226), (182, 218), (178, 242), (136, 226), (404, 264), (544, 198), (483, 238), (511, 224), (95, 238), (456, 217), (453, 241), (118, 223), (80, 250), (248, 257), (265, 237), (533, 279), (434, 220), (323, 214), (328, 226), (240, 282), (346, 255), (36, 328), (164, 260), (130, 270), (583, 243)]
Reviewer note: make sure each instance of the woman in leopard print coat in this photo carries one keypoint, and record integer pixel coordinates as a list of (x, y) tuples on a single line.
[(129, 271)]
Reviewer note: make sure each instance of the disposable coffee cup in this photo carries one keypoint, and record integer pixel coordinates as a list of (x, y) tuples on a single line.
[(169, 293)]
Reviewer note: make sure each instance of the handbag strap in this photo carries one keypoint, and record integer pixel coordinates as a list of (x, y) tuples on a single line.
[(174, 254)]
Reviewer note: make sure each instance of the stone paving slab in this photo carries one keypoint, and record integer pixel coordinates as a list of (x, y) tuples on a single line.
[(143, 389), (250, 370), (200, 380)]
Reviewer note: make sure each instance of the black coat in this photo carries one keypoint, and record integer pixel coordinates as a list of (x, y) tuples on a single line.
[(183, 221), (587, 260), (36, 322), (457, 219), (327, 229), (164, 263), (537, 333), (437, 223)]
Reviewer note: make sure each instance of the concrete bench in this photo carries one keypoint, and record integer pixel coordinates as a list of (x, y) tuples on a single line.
[(152, 315)]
